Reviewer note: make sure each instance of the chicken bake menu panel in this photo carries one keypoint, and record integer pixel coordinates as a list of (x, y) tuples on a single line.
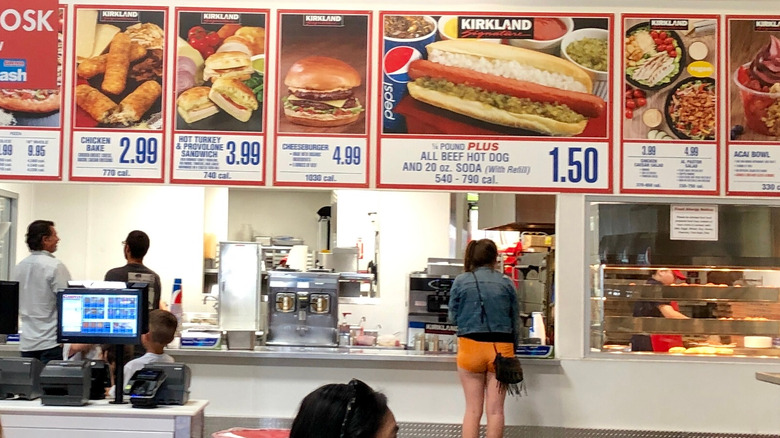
[(30, 116), (753, 109), (119, 94), (670, 104), (218, 135), (322, 99), (496, 101)]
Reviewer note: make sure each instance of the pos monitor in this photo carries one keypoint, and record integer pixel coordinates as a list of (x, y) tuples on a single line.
[(103, 316), (9, 307)]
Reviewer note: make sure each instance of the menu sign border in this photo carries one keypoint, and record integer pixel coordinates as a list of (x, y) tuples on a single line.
[(277, 95), (264, 124), (729, 142), (162, 153), (718, 103), (608, 139), (59, 130)]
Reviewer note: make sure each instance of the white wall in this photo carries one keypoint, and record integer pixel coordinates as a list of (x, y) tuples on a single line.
[(275, 213), (413, 226), (92, 220)]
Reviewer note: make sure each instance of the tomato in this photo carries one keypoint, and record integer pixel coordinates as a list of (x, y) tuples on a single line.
[(206, 51), (658, 41), (630, 104), (654, 34), (669, 41), (196, 31), (639, 93), (640, 102), (662, 35), (198, 44), (212, 39), (672, 52), (629, 114)]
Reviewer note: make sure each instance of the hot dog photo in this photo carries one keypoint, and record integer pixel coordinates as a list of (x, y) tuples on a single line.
[(323, 66), (220, 71), (497, 75), (120, 61)]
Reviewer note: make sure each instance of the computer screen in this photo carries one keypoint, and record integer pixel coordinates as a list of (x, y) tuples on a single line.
[(101, 316), (9, 307)]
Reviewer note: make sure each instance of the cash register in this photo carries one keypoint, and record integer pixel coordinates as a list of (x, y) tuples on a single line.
[(159, 384)]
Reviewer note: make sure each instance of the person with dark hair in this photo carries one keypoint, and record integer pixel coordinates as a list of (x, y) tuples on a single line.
[(40, 275), (162, 329), (483, 304), (658, 309), (339, 410), (136, 245)]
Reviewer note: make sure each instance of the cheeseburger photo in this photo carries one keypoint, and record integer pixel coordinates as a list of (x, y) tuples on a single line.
[(506, 85), (321, 92)]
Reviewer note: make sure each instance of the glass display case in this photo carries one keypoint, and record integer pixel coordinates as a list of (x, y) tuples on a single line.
[(693, 311)]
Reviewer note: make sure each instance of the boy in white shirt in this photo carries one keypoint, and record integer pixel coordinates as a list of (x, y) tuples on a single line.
[(162, 329)]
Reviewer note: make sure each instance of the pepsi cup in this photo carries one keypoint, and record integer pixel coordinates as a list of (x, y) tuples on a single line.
[(398, 54)]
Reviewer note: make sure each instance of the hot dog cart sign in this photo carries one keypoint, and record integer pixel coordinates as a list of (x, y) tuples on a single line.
[(119, 94), (218, 133), (495, 102), (752, 153), (670, 104), (322, 95), (30, 117)]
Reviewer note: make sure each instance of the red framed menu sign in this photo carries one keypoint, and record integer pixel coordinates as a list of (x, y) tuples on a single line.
[(322, 96), (753, 111), (218, 128), (496, 101), (670, 99), (119, 93), (30, 108)]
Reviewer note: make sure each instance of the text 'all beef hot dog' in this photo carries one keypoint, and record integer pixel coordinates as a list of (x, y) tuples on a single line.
[(506, 85)]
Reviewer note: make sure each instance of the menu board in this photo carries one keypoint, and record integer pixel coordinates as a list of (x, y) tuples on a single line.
[(322, 99), (30, 118), (670, 104), (753, 157), (119, 94), (218, 135), (495, 101)]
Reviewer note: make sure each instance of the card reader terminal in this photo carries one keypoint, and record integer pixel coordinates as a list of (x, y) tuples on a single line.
[(143, 386)]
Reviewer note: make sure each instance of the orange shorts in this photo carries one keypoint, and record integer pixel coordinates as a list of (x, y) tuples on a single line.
[(478, 357)]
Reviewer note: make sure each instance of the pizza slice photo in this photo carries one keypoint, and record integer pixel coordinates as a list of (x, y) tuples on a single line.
[(34, 107)]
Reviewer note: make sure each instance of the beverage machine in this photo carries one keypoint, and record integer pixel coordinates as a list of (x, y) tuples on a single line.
[(429, 296), (302, 308)]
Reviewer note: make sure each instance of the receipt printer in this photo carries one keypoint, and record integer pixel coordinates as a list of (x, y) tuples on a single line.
[(66, 383), (176, 388), (20, 377)]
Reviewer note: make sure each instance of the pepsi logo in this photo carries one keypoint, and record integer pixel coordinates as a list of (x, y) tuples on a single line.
[(397, 60)]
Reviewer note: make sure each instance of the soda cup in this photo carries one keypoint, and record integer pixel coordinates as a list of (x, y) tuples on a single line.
[(176, 307), (399, 52)]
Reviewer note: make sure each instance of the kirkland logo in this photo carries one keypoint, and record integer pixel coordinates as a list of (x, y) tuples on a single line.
[(13, 70), (119, 15), (214, 17), (323, 20)]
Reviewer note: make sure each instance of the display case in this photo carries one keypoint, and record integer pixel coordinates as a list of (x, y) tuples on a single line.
[(734, 312)]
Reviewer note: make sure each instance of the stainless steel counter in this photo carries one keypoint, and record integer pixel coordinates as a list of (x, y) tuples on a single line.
[(769, 377)]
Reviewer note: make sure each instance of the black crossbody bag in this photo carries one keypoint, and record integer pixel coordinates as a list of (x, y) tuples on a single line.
[(509, 372)]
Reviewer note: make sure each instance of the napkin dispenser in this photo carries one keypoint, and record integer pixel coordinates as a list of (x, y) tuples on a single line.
[(66, 383)]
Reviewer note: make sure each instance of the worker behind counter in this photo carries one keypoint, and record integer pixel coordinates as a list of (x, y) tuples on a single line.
[(658, 309)]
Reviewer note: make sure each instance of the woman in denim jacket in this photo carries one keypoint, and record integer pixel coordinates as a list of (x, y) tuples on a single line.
[(479, 332)]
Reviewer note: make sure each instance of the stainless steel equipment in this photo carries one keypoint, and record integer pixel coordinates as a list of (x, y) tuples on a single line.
[(302, 308), (429, 297), (239, 285)]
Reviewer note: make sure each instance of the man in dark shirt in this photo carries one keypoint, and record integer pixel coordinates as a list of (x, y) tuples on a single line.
[(135, 247)]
